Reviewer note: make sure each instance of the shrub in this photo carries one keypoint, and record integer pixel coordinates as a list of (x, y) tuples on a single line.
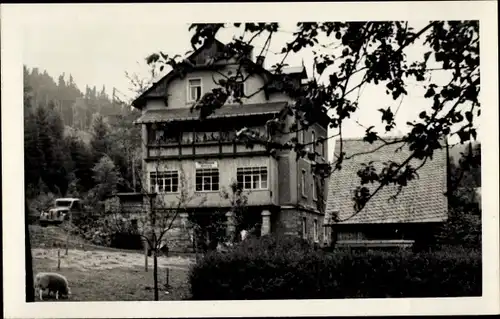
[(287, 268), (461, 228), (126, 240)]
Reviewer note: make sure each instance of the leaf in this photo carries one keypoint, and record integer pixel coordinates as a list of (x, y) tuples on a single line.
[(430, 92), (426, 55), (152, 58), (334, 80), (370, 137), (468, 116), (387, 115), (473, 133), (458, 117)]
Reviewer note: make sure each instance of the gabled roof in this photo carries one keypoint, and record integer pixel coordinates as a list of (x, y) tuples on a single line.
[(422, 200), (172, 74), (161, 84), (185, 114)]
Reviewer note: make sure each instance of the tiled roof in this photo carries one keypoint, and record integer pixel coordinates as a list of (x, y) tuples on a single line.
[(422, 200), (233, 110)]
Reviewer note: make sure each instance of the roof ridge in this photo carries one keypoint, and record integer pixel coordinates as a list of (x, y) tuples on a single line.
[(361, 138)]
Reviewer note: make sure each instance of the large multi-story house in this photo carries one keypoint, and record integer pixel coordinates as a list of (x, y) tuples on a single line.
[(284, 195)]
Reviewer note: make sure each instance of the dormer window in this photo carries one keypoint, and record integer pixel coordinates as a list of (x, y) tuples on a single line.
[(194, 90), (237, 88)]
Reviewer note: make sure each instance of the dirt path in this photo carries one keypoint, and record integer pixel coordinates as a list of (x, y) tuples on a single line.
[(102, 260)]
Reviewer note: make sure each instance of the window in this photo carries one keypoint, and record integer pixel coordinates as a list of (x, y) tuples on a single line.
[(316, 230), (304, 228), (194, 90), (315, 197), (164, 182), (302, 135), (325, 235), (313, 141), (164, 134), (303, 183), (237, 87), (252, 177), (207, 179)]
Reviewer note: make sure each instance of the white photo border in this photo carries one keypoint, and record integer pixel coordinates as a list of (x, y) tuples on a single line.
[(12, 17)]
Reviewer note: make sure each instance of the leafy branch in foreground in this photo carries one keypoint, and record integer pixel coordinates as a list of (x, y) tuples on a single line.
[(361, 54)]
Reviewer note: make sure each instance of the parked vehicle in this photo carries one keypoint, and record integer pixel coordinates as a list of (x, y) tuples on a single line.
[(64, 209)]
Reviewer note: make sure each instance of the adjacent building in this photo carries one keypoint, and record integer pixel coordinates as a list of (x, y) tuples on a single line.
[(408, 219), (204, 157)]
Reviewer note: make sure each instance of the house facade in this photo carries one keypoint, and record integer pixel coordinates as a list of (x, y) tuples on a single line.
[(204, 157), (409, 219)]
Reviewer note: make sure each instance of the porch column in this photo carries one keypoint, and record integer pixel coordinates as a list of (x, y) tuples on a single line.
[(184, 220), (265, 229), (230, 225)]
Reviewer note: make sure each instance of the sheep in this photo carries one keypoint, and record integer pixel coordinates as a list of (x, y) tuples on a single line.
[(54, 282)]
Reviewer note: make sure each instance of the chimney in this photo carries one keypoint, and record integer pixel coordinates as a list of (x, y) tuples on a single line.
[(260, 60)]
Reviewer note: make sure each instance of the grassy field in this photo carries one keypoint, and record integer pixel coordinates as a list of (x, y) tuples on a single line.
[(111, 276), (103, 275)]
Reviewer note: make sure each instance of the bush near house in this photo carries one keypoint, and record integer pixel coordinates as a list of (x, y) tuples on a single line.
[(288, 268)]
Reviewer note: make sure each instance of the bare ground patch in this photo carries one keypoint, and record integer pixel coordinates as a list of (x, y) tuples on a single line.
[(109, 276), (98, 260)]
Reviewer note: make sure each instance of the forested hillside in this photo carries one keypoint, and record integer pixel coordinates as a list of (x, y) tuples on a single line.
[(469, 172), (81, 144)]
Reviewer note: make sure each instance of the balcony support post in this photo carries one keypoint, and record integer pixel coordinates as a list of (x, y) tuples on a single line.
[(266, 223)]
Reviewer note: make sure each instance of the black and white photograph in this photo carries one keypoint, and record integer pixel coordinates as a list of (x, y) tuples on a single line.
[(171, 154)]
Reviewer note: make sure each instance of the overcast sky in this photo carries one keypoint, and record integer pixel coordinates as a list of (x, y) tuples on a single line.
[(97, 44)]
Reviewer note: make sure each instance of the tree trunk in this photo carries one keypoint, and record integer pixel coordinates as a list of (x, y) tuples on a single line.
[(67, 244), (195, 246), (146, 245), (30, 291), (155, 273), (70, 223), (58, 259)]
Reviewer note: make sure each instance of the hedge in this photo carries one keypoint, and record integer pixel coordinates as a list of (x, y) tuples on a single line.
[(287, 268)]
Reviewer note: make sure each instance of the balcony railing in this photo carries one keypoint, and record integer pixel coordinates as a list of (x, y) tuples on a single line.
[(213, 143)]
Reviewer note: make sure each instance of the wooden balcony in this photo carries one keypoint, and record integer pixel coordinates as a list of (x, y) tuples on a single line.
[(203, 149)]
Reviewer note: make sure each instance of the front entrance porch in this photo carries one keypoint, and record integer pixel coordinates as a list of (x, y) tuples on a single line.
[(212, 227)]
